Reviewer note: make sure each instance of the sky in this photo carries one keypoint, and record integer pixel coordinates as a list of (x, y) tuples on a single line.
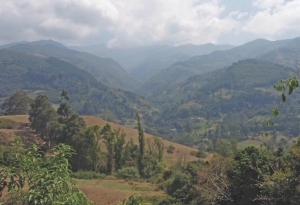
[(123, 23)]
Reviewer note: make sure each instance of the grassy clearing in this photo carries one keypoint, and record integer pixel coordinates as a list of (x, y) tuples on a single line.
[(112, 191), (248, 143)]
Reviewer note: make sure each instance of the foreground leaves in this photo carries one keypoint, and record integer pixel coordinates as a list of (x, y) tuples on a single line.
[(32, 178)]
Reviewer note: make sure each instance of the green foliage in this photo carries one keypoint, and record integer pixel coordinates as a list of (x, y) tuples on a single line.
[(170, 149), (17, 104), (119, 149), (41, 116), (87, 175), (141, 138), (34, 179), (199, 154), (128, 173), (133, 200), (227, 148)]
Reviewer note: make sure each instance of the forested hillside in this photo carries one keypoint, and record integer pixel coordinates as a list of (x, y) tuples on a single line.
[(233, 102), (51, 75), (105, 70)]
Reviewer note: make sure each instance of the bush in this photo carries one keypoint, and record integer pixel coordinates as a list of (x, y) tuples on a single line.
[(87, 175), (170, 149), (128, 173), (201, 154)]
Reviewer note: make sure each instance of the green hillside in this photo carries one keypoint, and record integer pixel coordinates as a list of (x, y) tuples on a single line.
[(237, 98), (51, 75), (105, 70)]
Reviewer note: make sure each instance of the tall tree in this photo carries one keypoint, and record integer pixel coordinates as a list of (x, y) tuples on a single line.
[(109, 137), (119, 147), (141, 146), (17, 104), (42, 115)]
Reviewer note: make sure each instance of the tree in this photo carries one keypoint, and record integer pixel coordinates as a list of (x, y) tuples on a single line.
[(141, 146), (17, 104), (119, 147), (42, 115), (32, 178), (87, 146), (109, 137)]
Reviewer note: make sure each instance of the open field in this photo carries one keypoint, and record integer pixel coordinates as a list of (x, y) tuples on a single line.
[(106, 192)]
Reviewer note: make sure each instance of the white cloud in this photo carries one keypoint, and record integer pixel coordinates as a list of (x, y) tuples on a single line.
[(276, 22), (134, 21)]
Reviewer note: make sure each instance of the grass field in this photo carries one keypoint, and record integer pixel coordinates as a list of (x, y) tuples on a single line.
[(105, 192)]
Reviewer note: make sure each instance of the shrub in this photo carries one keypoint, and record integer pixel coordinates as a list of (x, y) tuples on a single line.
[(201, 154), (170, 149), (128, 173), (87, 175)]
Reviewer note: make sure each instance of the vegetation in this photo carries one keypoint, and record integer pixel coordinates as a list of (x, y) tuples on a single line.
[(50, 75), (17, 104), (30, 177)]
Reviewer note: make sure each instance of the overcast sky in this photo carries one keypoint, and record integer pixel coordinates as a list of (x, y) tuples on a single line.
[(148, 22)]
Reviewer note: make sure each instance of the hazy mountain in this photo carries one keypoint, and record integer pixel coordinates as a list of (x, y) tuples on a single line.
[(287, 55), (104, 70), (51, 75), (144, 62), (180, 71)]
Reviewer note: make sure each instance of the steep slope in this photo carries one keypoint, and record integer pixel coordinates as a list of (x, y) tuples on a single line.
[(51, 75), (104, 70), (144, 62), (180, 71)]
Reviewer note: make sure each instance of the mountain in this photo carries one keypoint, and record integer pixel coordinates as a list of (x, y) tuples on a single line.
[(237, 98), (104, 70), (180, 71), (144, 62), (287, 55), (51, 75)]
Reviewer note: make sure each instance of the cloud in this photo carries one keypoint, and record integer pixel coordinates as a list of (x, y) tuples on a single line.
[(128, 22), (275, 21)]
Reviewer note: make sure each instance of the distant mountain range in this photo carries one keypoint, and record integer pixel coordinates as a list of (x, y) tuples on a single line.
[(105, 70), (144, 62), (282, 52)]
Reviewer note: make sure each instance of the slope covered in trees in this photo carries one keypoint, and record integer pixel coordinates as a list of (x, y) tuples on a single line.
[(51, 75), (227, 103), (105, 70)]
